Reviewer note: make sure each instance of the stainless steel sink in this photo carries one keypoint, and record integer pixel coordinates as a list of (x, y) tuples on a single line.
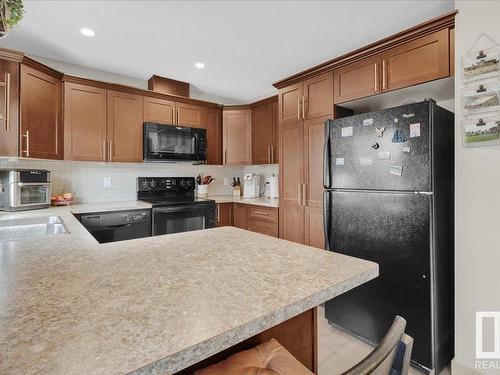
[(18, 229)]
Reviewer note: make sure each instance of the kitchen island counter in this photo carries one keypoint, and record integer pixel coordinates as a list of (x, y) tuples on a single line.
[(156, 305)]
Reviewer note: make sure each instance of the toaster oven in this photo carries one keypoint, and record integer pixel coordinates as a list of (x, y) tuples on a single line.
[(24, 189)]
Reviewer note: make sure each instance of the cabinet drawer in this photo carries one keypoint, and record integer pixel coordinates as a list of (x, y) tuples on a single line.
[(263, 227), (269, 214)]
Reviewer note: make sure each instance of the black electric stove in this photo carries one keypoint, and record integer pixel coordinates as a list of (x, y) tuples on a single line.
[(175, 207)]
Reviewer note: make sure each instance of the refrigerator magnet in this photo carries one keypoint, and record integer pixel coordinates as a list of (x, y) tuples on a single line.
[(414, 130), (367, 122), (407, 149), (384, 155), (339, 161), (396, 170), (380, 131), (365, 161), (399, 137), (347, 131)]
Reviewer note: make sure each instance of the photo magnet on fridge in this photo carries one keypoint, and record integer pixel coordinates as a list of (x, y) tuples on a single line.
[(399, 137), (367, 122), (414, 130), (407, 149), (384, 155), (347, 131), (339, 161), (396, 170)]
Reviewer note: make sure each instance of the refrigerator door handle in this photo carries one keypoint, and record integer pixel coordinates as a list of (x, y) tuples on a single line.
[(326, 219), (326, 156)]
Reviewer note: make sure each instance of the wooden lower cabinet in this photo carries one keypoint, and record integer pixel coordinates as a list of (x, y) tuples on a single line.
[(224, 216), (314, 136), (9, 108), (124, 123), (41, 129), (260, 219), (84, 122), (291, 223), (237, 136), (240, 215)]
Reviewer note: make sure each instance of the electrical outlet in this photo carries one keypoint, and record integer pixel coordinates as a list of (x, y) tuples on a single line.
[(226, 181), (107, 182)]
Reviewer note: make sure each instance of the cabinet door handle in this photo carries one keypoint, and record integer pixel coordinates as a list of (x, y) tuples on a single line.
[(261, 213), (269, 154), (7, 102), (299, 186), (110, 151), (27, 136), (218, 213), (376, 77), (104, 150), (384, 76), (303, 107), (304, 196), (225, 157), (298, 108)]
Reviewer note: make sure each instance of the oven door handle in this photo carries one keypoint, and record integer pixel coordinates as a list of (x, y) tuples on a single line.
[(167, 210), (33, 184)]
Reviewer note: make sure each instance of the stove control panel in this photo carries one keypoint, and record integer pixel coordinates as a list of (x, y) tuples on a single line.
[(165, 184)]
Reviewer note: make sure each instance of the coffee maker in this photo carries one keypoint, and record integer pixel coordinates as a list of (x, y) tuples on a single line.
[(251, 185), (271, 189)]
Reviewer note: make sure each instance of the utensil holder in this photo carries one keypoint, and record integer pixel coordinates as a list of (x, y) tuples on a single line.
[(203, 190)]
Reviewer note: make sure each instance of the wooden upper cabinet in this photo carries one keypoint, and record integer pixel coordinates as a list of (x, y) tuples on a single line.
[(452, 52), (358, 80), (290, 103), (212, 122), (317, 97), (264, 133), (41, 115), (125, 116), (189, 115), (291, 210), (84, 122), (9, 108), (157, 110), (421, 60), (237, 136)]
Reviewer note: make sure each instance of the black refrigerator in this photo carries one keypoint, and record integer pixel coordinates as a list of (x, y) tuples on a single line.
[(389, 198)]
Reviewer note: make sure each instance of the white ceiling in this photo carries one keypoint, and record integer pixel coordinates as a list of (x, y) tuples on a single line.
[(246, 45)]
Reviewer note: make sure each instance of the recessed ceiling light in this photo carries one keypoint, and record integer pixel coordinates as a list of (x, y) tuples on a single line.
[(199, 65), (87, 32)]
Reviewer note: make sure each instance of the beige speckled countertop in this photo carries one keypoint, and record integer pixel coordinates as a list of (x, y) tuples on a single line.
[(261, 201), (156, 305)]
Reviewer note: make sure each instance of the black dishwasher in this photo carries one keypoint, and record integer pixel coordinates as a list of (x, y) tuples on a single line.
[(118, 225)]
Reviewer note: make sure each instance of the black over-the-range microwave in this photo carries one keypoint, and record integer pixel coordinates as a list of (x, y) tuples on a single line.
[(172, 143)]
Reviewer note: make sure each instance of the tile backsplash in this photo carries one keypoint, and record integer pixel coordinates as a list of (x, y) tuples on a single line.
[(86, 179)]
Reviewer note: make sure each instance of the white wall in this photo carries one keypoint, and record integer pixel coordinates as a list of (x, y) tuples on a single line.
[(477, 204)]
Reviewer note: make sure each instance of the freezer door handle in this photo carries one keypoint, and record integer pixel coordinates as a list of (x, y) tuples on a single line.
[(326, 219), (326, 155)]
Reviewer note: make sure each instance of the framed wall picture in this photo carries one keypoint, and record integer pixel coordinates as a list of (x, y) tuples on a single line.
[(481, 93)]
